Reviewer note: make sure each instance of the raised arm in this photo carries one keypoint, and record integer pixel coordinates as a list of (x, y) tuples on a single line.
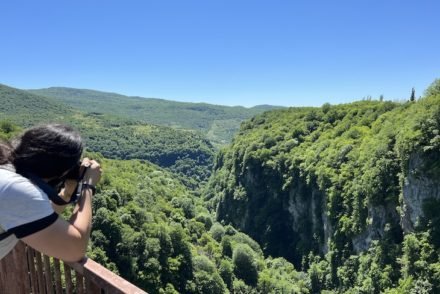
[(67, 240)]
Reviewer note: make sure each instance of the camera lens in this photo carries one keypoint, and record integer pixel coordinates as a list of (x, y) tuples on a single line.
[(74, 174)]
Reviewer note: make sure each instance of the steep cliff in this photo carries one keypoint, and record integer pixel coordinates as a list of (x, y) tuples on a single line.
[(420, 187), (334, 178)]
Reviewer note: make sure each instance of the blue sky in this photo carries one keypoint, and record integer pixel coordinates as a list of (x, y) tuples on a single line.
[(224, 52)]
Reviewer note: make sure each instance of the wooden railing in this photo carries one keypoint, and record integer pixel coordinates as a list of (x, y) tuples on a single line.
[(25, 270)]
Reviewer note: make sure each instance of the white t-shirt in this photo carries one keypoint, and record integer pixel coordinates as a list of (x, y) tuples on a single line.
[(24, 208)]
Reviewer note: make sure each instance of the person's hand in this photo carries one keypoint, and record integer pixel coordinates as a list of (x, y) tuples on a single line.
[(69, 189), (93, 172)]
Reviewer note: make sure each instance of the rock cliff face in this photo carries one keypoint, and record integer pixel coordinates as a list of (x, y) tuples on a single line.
[(419, 186), (306, 205), (255, 206), (380, 219)]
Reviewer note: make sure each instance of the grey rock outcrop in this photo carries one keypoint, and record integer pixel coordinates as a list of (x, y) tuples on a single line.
[(418, 186)]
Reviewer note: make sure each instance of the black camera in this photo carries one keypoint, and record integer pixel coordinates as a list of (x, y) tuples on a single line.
[(74, 173)]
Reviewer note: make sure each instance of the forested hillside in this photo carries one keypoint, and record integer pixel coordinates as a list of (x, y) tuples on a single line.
[(187, 153), (27, 109), (349, 193), (219, 123)]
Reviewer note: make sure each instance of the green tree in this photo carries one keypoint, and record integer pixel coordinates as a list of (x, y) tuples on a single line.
[(413, 95), (206, 278), (433, 89), (217, 232), (245, 264), (7, 127), (226, 271), (411, 255), (209, 283), (226, 246)]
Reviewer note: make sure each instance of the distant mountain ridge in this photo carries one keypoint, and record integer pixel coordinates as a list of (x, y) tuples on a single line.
[(27, 108), (69, 92), (218, 122)]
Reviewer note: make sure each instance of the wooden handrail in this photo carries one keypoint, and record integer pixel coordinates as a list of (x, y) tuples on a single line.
[(25, 270), (103, 278)]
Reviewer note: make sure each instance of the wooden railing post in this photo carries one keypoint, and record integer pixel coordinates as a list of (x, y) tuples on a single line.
[(58, 286), (48, 275), (14, 274)]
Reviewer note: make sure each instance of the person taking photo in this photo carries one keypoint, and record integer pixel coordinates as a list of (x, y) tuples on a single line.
[(40, 173)]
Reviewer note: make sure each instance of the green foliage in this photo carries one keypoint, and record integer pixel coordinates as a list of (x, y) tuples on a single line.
[(8, 130), (208, 283), (154, 232), (206, 220), (226, 272), (226, 245), (245, 266), (138, 228), (279, 276), (207, 279), (433, 89), (27, 109), (240, 286), (185, 153), (217, 231)]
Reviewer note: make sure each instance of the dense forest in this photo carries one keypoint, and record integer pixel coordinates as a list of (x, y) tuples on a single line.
[(335, 199)]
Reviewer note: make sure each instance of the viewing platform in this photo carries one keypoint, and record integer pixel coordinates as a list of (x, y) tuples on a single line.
[(25, 270)]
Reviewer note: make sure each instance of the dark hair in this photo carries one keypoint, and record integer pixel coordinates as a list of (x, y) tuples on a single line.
[(46, 151)]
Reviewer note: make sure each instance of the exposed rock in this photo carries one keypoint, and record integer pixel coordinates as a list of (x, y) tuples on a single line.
[(417, 188), (310, 206), (374, 230)]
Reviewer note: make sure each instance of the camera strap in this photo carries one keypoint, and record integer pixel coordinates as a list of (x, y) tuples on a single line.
[(79, 188), (46, 188)]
